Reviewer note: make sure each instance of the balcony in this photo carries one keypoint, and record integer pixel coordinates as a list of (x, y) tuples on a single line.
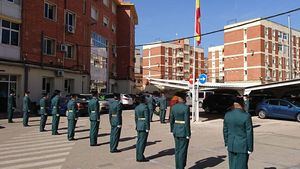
[(179, 55), (180, 64), (179, 73)]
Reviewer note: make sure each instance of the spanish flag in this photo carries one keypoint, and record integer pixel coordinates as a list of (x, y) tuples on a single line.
[(197, 23)]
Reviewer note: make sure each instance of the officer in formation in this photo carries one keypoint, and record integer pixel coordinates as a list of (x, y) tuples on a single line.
[(44, 108), (180, 127), (115, 118), (26, 108), (72, 114), (142, 121), (150, 104), (11, 106), (55, 104), (162, 108), (238, 135), (94, 113)]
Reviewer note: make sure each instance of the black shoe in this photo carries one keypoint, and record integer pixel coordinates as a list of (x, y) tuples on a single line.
[(115, 151), (26, 125), (42, 130), (92, 145), (143, 160), (55, 133), (10, 121)]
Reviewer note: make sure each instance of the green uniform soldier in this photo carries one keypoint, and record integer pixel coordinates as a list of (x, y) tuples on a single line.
[(162, 108), (180, 127), (44, 107), (150, 102), (26, 108), (142, 121), (93, 109), (11, 106), (72, 116), (55, 104), (238, 135), (115, 118), (247, 103)]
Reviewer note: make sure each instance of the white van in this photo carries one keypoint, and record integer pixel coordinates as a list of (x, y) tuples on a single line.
[(202, 95)]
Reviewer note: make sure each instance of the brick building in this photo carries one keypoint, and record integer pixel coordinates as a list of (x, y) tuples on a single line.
[(258, 52), (138, 71), (113, 25), (215, 64), (172, 61)]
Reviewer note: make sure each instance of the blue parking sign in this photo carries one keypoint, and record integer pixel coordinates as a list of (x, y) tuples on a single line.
[(203, 78)]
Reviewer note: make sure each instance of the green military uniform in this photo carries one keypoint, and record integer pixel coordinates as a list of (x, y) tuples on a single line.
[(238, 137), (150, 102), (11, 105), (180, 127), (55, 114), (72, 118), (93, 109), (115, 118), (142, 121), (26, 110), (44, 113), (162, 108)]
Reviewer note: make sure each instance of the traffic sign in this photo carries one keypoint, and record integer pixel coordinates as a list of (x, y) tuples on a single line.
[(202, 78)]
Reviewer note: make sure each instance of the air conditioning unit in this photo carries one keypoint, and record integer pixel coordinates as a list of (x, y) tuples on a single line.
[(63, 48), (59, 73), (70, 29)]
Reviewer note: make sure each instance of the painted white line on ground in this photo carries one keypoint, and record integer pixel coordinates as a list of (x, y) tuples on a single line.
[(36, 164), (21, 160), (35, 153), (54, 167), (16, 139), (20, 147), (48, 140), (37, 148)]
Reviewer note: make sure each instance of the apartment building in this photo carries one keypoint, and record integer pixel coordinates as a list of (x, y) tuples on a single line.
[(259, 52), (138, 71), (11, 76), (173, 61), (215, 64), (113, 24)]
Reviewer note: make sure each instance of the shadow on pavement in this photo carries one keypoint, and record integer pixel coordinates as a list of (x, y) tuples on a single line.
[(257, 125), (87, 137), (210, 116), (270, 168), (77, 131), (121, 140), (66, 128), (1, 127), (168, 152), (134, 146), (208, 162)]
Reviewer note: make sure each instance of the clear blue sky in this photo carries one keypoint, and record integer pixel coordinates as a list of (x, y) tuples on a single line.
[(163, 19)]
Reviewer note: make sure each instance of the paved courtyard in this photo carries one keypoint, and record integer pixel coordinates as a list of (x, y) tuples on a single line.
[(277, 145)]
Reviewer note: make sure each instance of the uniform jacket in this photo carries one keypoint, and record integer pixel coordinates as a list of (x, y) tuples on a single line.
[(93, 109), (72, 110), (44, 106), (115, 113), (180, 120), (55, 104), (238, 131), (11, 102), (142, 117), (163, 103), (150, 102), (26, 104)]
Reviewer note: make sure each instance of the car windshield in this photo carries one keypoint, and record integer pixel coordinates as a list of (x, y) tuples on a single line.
[(295, 103), (84, 97)]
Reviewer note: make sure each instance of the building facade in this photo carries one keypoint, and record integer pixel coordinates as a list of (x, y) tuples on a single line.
[(215, 64), (260, 52), (173, 61), (113, 25), (138, 71)]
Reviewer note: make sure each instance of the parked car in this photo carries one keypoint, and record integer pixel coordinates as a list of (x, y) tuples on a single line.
[(126, 100), (63, 106), (219, 103), (255, 99), (201, 96), (279, 108), (82, 103)]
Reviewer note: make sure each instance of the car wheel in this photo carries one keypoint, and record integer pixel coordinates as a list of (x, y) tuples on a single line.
[(200, 104), (262, 114), (298, 117), (206, 109)]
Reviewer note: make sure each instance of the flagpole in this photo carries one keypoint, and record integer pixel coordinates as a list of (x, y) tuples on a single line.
[(194, 70)]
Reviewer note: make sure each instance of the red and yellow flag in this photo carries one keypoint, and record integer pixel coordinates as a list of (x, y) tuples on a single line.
[(197, 23)]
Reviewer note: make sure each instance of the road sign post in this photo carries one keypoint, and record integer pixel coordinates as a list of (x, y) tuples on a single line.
[(202, 80)]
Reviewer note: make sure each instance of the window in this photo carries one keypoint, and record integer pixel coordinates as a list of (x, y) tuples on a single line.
[(69, 83), (114, 50), (99, 41), (105, 21), (106, 2), (245, 45), (50, 11), (266, 31), (280, 47), (94, 13), (70, 22), (48, 46), (285, 36), (284, 103), (113, 28), (266, 45), (274, 47), (114, 8), (274, 102), (274, 33), (84, 7), (46, 85), (246, 72), (14, 1), (10, 33), (70, 52)]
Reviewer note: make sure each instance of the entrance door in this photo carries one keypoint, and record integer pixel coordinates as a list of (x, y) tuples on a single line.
[(3, 96)]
